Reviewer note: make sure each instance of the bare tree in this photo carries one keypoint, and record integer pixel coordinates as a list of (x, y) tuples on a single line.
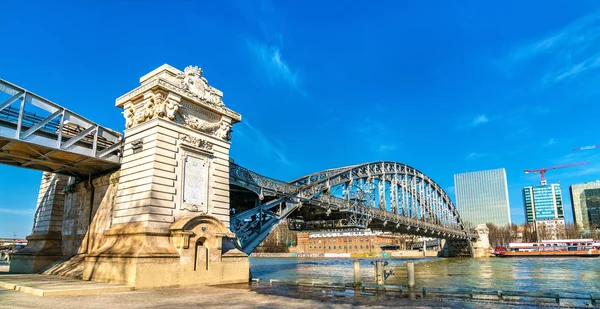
[(529, 233), (542, 232), (279, 240), (501, 236)]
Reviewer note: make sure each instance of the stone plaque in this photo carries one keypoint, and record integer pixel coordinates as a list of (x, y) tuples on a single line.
[(195, 183)]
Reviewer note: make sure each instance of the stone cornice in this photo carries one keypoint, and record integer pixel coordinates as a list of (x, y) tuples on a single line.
[(170, 86)]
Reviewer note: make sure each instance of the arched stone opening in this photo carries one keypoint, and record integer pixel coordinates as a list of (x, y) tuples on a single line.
[(201, 254), (208, 251)]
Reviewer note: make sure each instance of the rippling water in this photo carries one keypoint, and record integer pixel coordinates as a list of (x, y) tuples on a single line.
[(564, 275)]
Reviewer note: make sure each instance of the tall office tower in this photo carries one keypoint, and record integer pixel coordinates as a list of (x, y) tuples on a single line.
[(585, 199), (543, 202), (482, 197), (544, 210)]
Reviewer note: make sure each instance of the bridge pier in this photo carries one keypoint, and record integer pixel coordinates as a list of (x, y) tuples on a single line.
[(458, 247), (170, 223), (45, 242), (163, 218)]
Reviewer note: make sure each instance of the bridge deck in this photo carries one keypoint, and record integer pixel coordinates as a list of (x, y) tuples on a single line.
[(39, 134)]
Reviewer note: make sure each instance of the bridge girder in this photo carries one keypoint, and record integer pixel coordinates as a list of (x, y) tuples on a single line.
[(39, 134), (386, 195)]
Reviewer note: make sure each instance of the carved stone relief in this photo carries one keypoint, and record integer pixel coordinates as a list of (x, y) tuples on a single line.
[(156, 106), (192, 82), (197, 142), (219, 129)]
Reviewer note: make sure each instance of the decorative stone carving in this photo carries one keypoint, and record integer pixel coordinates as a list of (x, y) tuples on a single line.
[(201, 125), (156, 106), (129, 114), (224, 131), (197, 142), (220, 129), (172, 108), (192, 82)]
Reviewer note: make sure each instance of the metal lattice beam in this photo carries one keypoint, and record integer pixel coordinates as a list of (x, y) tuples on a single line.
[(31, 121), (388, 195)]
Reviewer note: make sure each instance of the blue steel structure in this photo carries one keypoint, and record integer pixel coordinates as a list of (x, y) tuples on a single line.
[(387, 196)]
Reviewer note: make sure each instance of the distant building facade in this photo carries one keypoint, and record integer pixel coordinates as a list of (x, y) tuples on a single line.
[(543, 202), (552, 229), (544, 210), (482, 197), (585, 200), (349, 241)]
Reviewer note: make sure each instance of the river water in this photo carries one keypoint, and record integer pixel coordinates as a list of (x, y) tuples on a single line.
[(561, 275)]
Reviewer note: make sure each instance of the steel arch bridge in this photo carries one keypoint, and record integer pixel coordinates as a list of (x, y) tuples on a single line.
[(387, 196)]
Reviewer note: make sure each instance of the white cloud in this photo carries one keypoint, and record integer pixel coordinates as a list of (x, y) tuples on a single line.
[(587, 170), (550, 142), (273, 64), (475, 155), (576, 35), (566, 53), (24, 212), (377, 135), (264, 145), (573, 71), (480, 119), (384, 148)]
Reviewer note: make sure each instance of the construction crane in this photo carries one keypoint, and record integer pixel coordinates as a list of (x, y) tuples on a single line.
[(543, 170), (587, 147)]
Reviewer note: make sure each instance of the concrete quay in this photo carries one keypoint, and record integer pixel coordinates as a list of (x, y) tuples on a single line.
[(226, 297)]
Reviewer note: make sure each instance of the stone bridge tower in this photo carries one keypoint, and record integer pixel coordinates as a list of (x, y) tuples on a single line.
[(169, 222), (162, 219), (170, 217)]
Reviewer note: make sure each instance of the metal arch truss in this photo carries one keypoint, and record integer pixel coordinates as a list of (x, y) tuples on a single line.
[(388, 195), (34, 122)]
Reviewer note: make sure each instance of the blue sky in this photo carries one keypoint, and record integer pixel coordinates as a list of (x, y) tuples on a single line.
[(444, 87)]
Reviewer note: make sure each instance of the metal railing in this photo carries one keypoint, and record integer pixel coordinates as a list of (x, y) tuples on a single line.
[(60, 129)]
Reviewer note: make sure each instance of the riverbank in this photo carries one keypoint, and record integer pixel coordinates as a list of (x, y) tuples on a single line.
[(230, 298), (385, 255)]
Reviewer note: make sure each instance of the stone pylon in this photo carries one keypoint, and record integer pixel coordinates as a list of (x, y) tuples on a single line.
[(44, 243), (170, 219)]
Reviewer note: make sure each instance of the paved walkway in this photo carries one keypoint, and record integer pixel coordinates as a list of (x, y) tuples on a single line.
[(228, 298), (44, 285)]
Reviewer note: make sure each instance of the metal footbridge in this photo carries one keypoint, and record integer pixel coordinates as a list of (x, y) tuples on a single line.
[(39, 134), (388, 196)]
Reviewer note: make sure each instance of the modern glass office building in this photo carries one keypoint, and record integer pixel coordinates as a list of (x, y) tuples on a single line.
[(543, 202), (585, 199), (482, 197)]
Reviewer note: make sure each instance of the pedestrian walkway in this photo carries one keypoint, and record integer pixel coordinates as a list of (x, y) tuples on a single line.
[(44, 285)]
